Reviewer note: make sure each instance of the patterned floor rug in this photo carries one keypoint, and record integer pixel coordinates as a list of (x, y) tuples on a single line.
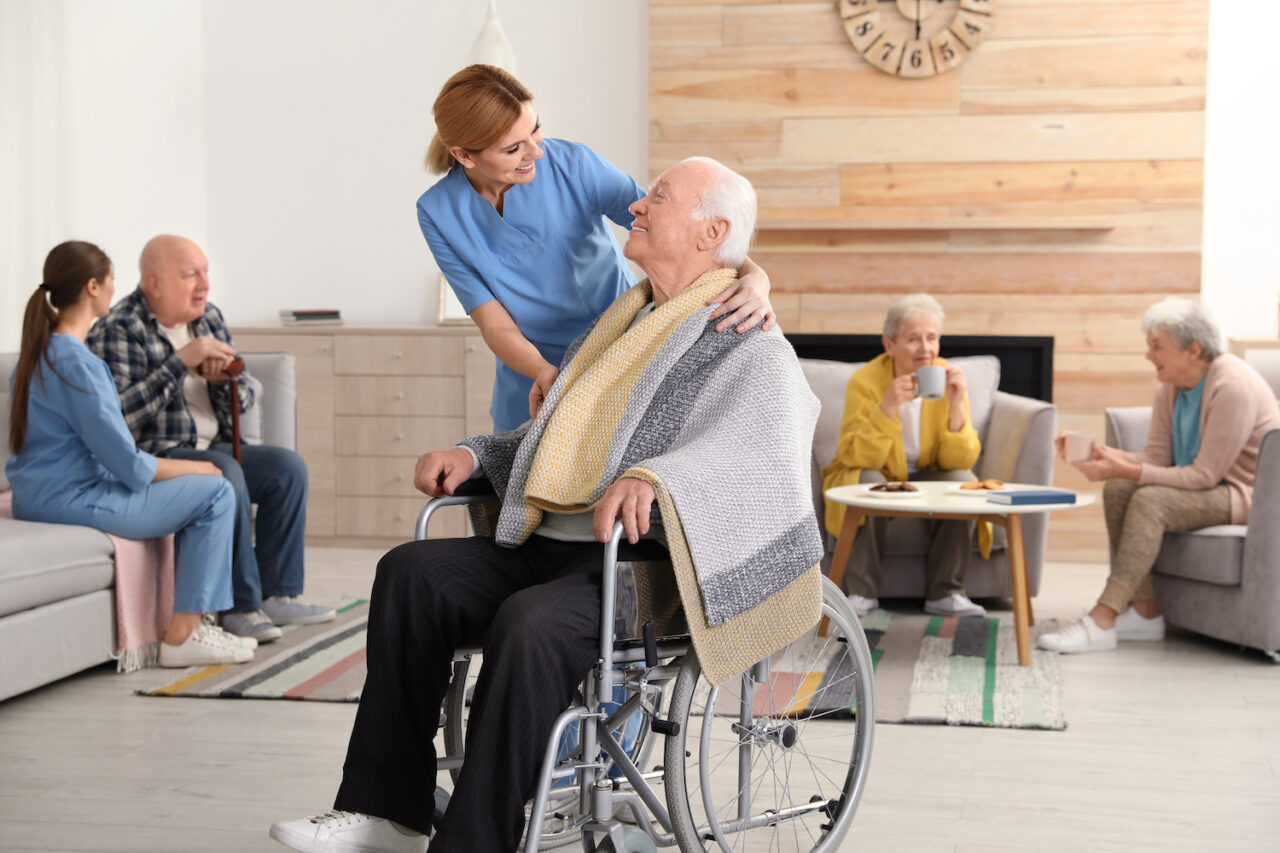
[(928, 670), (962, 672), (317, 662)]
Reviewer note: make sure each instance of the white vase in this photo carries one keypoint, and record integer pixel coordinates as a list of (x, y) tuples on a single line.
[(491, 46)]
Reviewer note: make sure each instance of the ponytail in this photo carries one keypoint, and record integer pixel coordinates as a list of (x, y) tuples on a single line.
[(439, 160), (67, 269), (474, 109)]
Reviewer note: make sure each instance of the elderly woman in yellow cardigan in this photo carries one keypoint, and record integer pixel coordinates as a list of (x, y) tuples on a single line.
[(889, 433)]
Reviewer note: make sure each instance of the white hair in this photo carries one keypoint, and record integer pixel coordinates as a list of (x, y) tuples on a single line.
[(1185, 320), (730, 197), (908, 307)]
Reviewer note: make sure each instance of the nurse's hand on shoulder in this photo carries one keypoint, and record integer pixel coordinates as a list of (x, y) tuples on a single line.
[(541, 387), (627, 499), (746, 303), (439, 472)]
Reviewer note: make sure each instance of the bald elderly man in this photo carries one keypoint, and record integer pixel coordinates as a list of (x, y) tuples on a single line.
[(168, 349)]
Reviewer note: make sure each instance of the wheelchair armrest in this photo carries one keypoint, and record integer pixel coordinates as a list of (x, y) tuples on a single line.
[(477, 491)]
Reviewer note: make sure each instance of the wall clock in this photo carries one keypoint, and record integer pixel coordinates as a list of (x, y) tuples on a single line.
[(916, 38)]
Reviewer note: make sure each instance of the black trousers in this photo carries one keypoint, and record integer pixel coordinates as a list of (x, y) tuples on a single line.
[(535, 610)]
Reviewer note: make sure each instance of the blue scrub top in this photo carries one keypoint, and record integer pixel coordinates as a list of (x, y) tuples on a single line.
[(77, 442), (550, 258)]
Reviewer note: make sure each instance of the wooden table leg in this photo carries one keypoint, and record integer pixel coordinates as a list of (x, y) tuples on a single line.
[(844, 547), (1018, 583)]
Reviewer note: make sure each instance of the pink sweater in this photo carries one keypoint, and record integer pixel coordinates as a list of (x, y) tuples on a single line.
[(1238, 408)]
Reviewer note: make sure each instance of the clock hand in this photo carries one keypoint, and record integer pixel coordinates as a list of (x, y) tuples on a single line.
[(917, 20)]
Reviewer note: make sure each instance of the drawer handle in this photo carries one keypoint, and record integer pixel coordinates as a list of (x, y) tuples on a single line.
[(324, 348), (399, 395), (399, 436), (398, 355), (399, 517), (399, 478)]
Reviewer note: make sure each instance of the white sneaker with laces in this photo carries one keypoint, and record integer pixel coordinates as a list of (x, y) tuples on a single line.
[(247, 642), (1082, 635), (1132, 625), (862, 606), (955, 604), (206, 645), (347, 832)]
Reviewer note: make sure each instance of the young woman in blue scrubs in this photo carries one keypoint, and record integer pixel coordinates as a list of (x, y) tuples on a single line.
[(74, 460), (533, 261)]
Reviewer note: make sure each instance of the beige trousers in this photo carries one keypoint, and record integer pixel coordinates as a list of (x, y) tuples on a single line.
[(950, 544), (1138, 518)]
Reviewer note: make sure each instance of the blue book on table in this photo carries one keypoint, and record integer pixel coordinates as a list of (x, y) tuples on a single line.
[(1032, 496)]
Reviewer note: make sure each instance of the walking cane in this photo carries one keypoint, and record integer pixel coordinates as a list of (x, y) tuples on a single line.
[(234, 369)]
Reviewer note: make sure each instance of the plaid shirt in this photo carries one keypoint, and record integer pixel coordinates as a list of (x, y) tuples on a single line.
[(149, 374)]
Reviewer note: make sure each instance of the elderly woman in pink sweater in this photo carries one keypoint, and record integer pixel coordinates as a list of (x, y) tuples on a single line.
[(1210, 413)]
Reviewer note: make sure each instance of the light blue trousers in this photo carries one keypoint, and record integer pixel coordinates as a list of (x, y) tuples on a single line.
[(199, 509)]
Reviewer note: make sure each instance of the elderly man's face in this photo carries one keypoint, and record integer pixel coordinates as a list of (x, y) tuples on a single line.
[(664, 226), (177, 287)]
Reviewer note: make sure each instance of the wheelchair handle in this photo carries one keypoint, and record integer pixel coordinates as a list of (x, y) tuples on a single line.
[(477, 491)]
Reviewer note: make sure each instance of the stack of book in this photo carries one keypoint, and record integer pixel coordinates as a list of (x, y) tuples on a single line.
[(316, 317)]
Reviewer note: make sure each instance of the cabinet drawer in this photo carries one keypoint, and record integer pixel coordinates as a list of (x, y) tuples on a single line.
[(382, 436), (398, 355), (396, 517), (377, 476), (435, 396)]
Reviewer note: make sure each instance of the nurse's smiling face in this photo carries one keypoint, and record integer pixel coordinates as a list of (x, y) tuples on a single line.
[(511, 161)]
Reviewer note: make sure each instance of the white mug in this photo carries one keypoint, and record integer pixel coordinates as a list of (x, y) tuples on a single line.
[(1079, 446), (931, 382)]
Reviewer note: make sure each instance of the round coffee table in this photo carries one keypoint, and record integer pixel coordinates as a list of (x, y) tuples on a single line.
[(942, 499)]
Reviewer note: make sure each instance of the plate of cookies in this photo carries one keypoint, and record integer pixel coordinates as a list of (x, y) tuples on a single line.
[(895, 491), (977, 488)]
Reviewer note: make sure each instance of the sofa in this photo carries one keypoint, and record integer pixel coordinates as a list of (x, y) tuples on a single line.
[(1221, 581), (1017, 446), (57, 596)]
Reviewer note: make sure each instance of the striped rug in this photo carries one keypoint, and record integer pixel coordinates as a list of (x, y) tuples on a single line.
[(944, 671), (317, 662)]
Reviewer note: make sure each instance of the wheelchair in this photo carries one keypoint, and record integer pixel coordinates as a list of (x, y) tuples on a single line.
[(774, 759)]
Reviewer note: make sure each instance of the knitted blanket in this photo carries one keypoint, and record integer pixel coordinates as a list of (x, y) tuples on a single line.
[(721, 425)]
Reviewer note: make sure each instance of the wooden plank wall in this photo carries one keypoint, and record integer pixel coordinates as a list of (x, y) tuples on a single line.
[(1052, 185)]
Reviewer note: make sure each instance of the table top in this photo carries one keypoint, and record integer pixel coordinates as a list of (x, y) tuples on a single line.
[(940, 497)]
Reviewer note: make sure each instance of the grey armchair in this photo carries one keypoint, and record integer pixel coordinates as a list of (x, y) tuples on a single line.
[(1221, 581), (1017, 446)]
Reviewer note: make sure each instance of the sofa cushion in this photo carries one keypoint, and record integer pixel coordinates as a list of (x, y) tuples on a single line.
[(43, 563), (830, 379), (1210, 554)]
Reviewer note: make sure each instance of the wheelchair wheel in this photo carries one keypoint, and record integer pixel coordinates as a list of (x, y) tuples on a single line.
[(562, 823), (776, 758)]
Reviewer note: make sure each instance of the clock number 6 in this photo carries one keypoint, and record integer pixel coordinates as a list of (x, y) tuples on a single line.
[(916, 59)]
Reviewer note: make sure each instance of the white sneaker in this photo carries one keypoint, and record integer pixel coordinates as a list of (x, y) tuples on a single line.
[(1082, 635), (955, 604), (347, 832), (862, 606), (205, 646), (1132, 625), (247, 642)]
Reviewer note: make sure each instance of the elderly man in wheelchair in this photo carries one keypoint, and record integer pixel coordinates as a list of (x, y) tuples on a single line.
[(761, 691)]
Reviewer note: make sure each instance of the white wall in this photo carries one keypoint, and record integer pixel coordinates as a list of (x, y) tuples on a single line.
[(1241, 265), (286, 136)]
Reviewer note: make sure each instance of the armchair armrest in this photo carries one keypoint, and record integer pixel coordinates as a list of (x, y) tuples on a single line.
[(1262, 542), (1127, 427), (273, 419), (1019, 445)]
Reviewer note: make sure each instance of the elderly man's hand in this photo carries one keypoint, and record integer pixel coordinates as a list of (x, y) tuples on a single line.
[(207, 349), (629, 499), (439, 472)]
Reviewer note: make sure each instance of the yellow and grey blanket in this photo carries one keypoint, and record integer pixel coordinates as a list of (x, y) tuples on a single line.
[(721, 425)]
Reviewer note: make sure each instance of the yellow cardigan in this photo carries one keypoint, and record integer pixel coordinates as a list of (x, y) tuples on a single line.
[(868, 439)]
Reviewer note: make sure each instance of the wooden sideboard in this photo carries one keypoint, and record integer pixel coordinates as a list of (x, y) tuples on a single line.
[(371, 400)]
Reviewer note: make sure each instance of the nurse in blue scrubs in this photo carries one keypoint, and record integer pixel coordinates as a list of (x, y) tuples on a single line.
[(517, 226), (75, 462)]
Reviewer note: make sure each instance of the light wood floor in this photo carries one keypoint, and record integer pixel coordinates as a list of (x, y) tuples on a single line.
[(1170, 746)]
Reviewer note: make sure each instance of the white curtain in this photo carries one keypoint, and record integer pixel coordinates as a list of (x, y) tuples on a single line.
[(33, 155)]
